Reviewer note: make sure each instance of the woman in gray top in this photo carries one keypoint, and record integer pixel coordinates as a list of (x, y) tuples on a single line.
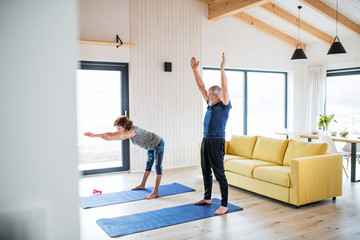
[(151, 142)]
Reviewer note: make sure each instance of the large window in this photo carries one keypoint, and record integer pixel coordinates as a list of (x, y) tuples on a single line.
[(102, 96), (343, 98), (266, 102), (258, 99)]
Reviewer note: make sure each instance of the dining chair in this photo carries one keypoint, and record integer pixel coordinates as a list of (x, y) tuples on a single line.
[(347, 148), (333, 149)]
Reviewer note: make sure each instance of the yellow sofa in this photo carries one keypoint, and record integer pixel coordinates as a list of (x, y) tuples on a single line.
[(291, 171)]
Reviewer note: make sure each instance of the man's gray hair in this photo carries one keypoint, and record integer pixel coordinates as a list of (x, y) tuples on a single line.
[(215, 90)]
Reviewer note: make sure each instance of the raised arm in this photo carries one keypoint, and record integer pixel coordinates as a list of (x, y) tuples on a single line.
[(199, 82), (224, 87)]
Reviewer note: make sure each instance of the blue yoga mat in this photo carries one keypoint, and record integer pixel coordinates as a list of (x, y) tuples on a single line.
[(130, 195), (140, 222)]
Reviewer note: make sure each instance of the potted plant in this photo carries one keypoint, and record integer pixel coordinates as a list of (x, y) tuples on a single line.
[(325, 120)]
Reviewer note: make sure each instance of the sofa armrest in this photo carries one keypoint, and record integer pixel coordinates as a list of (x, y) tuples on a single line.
[(226, 146), (315, 178)]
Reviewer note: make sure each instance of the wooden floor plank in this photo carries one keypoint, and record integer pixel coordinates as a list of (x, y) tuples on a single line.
[(262, 217)]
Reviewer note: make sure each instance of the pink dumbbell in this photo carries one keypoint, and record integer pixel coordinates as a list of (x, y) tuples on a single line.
[(97, 192)]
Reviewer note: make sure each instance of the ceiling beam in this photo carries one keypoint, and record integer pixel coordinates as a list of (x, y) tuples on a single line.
[(223, 8), (268, 29), (331, 14), (281, 13)]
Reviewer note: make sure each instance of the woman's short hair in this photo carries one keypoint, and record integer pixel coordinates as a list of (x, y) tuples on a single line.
[(215, 90), (124, 122)]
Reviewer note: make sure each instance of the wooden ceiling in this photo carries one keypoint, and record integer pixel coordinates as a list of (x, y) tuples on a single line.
[(244, 10)]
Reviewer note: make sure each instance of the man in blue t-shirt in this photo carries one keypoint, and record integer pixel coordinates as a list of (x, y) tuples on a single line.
[(213, 143)]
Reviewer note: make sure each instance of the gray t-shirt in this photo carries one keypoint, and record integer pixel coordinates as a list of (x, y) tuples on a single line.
[(145, 139)]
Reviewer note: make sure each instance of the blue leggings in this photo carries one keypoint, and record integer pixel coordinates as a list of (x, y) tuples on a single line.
[(156, 154)]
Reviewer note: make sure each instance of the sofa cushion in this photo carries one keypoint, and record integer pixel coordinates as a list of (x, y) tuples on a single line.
[(245, 166), (270, 149), (297, 149), (228, 157), (242, 145), (279, 175)]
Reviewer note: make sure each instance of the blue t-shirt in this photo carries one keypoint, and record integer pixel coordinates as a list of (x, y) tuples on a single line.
[(215, 120)]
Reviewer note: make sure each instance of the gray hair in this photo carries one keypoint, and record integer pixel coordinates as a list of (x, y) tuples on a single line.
[(215, 90)]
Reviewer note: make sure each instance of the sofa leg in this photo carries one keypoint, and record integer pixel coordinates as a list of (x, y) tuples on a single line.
[(296, 207), (334, 199)]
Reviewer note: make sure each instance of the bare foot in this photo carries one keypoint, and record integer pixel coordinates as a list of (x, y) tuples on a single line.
[(202, 201), (139, 188), (222, 210), (152, 195)]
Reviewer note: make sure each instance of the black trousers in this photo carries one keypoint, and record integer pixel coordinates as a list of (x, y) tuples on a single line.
[(212, 157)]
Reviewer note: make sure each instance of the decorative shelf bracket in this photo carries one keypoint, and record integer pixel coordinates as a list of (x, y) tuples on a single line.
[(118, 40)]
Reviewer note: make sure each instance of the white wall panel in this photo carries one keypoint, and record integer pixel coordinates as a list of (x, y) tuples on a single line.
[(167, 103)]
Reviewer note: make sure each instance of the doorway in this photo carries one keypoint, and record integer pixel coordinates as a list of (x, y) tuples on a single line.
[(102, 94)]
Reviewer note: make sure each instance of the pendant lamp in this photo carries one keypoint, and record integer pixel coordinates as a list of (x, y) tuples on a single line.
[(299, 53), (336, 46)]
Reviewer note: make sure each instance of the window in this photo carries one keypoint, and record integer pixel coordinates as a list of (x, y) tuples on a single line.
[(102, 96), (343, 99), (258, 98), (266, 102)]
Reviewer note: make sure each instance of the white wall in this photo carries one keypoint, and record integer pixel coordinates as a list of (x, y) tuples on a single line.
[(38, 157), (102, 20)]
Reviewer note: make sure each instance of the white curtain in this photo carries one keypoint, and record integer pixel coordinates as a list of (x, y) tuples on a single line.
[(316, 81)]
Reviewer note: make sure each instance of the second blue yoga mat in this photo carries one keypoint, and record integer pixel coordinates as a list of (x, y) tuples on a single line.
[(130, 195), (140, 222)]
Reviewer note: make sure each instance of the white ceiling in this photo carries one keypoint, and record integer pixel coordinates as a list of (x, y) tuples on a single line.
[(348, 8)]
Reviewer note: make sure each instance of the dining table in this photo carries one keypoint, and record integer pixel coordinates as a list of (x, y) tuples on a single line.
[(353, 139)]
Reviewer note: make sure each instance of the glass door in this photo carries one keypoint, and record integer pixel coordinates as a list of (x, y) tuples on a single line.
[(102, 96)]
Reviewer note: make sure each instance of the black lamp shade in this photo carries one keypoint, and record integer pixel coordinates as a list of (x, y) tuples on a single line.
[(299, 54), (336, 48)]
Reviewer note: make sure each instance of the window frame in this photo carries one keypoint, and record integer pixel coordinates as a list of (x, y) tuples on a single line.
[(338, 73), (124, 69)]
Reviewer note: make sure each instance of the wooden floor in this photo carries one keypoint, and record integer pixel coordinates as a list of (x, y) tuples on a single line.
[(262, 218)]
